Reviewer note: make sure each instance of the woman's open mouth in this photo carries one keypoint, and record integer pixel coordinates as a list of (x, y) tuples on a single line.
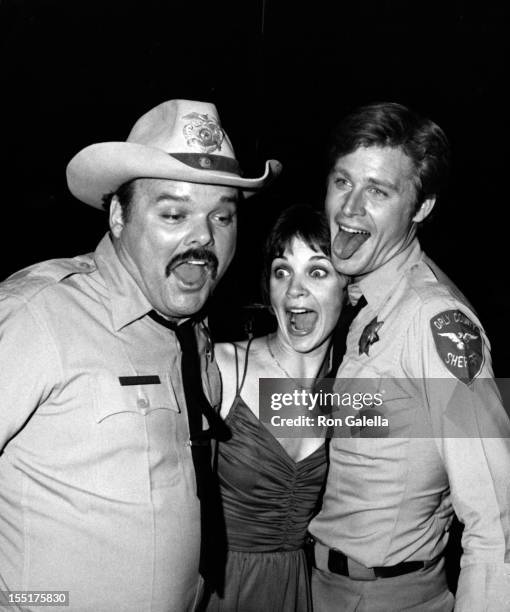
[(301, 320)]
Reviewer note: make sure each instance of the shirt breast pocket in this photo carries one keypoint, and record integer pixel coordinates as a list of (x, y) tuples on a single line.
[(381, 429), (137, 424), (399, 407)]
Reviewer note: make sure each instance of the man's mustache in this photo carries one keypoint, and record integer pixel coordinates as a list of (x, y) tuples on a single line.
[(198, 254)]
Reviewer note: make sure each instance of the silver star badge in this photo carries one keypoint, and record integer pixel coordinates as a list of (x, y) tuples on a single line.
[(369, 335)]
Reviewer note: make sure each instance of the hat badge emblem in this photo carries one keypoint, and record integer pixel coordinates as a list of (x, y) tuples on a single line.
[(203, 131)]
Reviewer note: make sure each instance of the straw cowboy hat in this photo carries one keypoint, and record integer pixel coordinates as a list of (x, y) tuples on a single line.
[(180, 140)]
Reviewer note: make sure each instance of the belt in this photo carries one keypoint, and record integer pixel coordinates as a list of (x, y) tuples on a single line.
[(337, 562)]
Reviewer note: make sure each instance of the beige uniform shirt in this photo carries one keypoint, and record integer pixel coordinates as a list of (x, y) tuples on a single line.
[(97, 487), (391, 499)]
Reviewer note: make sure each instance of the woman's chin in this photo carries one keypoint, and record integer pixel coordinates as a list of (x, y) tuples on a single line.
[(304, 342)]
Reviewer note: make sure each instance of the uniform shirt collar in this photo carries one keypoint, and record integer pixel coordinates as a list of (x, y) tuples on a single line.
[(128, 303), (377, 285)]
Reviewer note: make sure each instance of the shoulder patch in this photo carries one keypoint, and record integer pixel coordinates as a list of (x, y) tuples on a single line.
[(459, 344)]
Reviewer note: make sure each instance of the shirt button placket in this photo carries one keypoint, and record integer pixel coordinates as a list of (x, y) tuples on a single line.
[(142, 404)]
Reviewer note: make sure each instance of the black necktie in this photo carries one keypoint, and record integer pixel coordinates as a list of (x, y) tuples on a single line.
[(339, 345), (213, 547), (338, 348), (339, 340)]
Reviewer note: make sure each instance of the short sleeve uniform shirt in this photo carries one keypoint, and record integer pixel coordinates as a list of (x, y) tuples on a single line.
[(97, 488)]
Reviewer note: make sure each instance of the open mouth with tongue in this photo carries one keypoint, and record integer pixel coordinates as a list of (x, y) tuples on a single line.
[(193, 273), (348, 241), (301, 321)]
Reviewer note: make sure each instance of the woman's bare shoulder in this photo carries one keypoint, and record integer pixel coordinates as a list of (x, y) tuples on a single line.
[(226, 353), (227, 350)]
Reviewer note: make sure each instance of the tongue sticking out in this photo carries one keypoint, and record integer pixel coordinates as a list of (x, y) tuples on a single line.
[(347, 243), (303, 321), (190, 273)]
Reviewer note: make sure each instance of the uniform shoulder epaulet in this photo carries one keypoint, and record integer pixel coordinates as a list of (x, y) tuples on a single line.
[(425, 284), (33, 279), (444, 283)]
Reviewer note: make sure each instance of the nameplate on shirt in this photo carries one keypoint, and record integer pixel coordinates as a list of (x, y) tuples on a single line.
[(126, 381)]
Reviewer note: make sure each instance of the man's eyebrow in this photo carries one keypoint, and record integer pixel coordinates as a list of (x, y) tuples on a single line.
[(384, 183), (373, 181), (341, 170), (172, 196), (229, 199), (224, 199)]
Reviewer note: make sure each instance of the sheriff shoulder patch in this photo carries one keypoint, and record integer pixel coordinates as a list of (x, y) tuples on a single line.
[(459, 344)]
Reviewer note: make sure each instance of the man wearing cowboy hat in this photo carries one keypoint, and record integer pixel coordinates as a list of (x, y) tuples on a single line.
[(98, 479)]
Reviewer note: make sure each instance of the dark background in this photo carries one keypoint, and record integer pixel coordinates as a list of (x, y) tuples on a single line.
[(281, 74)]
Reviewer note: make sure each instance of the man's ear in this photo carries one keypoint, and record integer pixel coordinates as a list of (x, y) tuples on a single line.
[(425, 209), (116, 217)]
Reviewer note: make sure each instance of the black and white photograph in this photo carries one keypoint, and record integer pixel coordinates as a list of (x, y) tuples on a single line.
[(253, 311)]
